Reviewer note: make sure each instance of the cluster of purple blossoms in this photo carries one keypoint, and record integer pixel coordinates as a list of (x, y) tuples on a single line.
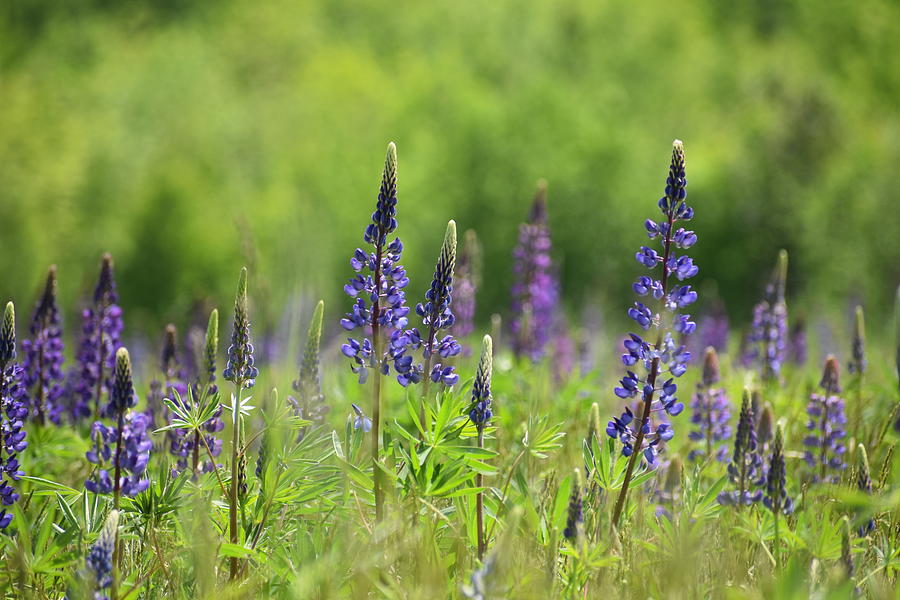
[(378, 290), (468, 278), (101, 331), (712, 332), (769, 331), (480, 412), (44, 357), (535, 290), (776, 498), (825, 448), (240, 368), (123, 447), (665, 360), (575, 513), (746, 468), (13, 412), (99, 562), (710, 412), (798, 346)]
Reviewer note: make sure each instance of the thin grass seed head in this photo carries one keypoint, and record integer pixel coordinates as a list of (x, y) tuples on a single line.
[(211, 350)]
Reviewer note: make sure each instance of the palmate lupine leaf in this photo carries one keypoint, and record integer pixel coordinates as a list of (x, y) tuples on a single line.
[(191, 415)]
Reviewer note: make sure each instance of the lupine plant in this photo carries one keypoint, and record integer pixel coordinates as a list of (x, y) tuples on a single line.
[(101, 330), (13, 412), (241, 371), (745, 470), (309, 404), (380, 307), (44, 356), (768, 335), (98, 572), (480, 413), (825, 448), (798, 346), (468, 279), (710, 412), (663, 360), (535, 290), (776, 498)]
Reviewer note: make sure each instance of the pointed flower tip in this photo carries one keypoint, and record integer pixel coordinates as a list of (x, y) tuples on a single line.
[(831, 375), (8, 334), (678, 145), (122, 356), (487, 346), (710, 366)]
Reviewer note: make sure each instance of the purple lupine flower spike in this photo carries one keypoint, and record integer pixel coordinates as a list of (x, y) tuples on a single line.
[(653, 368), (99, 562), (240, 368), (798, 346), (310, 401), (575, 513), (745, 469), (44, 357), (710, 412), (768, 335), (13, 412), (378, 290), (776, 498), (535, 292), (101, 332), (124, 447), (825, 448), (468, 279)]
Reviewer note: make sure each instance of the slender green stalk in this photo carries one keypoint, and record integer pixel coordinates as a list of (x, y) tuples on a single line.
[(479, 502), (233, 496)]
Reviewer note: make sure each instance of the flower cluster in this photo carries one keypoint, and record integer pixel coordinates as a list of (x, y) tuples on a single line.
[(710, 412), (13, 412), (535, 292), (133, 458), (310, 401), (99, 560), (378, 290), (575, 516), (480, 408), (776, 498), (240, 369), (101, 331), (712, 332), (824, 442), (468, 278), (798, 347), (44, 356), (746, 467), (768, 335), (665, 360)]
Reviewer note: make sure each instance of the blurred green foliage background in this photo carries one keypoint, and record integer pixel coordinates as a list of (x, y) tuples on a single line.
[(190, 137)]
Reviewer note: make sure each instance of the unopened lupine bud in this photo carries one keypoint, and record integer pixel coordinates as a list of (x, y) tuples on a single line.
[(122, 395), (831, 376), (8, 335), (710, 367), (480, 409)]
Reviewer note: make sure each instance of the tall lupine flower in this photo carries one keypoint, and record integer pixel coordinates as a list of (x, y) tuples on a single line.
[(468, 279), (380, 306), (776, 498), (44, 356), (710, 412), (240, 370), (100, 333), (769, 329), (745, 469), (123, 447), (864, 484), (535, 289), (310, 401), (205, 387), (663, 361), (480, 414), (13, 412), (436, 315), (798, 347), (824, 443)]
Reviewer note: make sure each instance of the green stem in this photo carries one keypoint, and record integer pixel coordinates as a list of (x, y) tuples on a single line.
[(479, 502), (233, 499)]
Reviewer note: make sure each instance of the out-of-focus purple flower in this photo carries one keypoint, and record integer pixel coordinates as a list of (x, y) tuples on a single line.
[(480, 412), (575, 516), (745, 469), (44, 356), (798, 346), (360, 420), (240, 368), (710, 412), (824, 444), (768, 335), (858, 362), (99, 562), (468, 279), (665, 495), (535, 290), (101, 331), (13, 412), (776, 498), (378, 292), (666, 360), (564, 351)]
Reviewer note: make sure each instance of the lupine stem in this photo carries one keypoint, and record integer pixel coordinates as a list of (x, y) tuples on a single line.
[(233, 499), (651, 383), (479, 502), (376, 389)]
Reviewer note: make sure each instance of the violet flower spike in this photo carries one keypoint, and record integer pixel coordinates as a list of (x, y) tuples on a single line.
[(13, 412), (710, 413), (535, 290), (653, 368), (824, 444), (468, 279), (746, 470), (768, 335), (44, 357)]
